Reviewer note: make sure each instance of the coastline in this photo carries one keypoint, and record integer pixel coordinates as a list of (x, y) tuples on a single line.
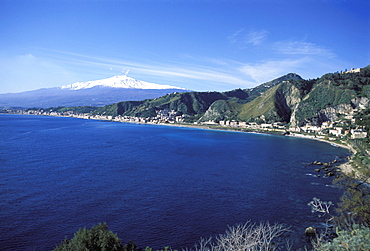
[(346, 167)]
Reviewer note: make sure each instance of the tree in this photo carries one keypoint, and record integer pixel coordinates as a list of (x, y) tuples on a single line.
[(357, 239), (251, 237), (355, 201), (97, 238)]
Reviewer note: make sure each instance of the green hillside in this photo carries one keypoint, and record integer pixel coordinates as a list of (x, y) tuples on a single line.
[(289, 99), (262, 107), (190, 103), (222, 110), (194, 104), (311, 101), (332, 90)]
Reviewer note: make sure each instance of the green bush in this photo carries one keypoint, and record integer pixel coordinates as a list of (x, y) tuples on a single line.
[(97, 238), (356, 198), (356, 240)]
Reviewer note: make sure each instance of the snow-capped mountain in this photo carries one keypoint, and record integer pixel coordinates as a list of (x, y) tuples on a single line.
[(92, 93), (122, 81)]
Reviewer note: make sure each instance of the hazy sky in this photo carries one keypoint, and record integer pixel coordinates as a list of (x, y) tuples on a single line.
[(196, 44)]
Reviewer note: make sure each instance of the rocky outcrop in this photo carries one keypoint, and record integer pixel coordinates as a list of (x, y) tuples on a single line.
[(333, 113), (310, 231), (293, 121), (286, 99), (361, 103)]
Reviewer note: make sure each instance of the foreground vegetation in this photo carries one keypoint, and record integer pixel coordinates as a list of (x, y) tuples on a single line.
[(246, 237), (240, 237), (357, 239)]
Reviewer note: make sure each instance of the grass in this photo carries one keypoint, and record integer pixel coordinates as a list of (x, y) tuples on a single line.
[(260, 106)]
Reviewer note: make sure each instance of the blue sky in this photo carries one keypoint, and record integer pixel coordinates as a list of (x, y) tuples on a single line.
[(196, 44)]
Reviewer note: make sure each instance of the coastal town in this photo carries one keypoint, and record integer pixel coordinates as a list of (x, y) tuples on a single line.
[(330, 130)]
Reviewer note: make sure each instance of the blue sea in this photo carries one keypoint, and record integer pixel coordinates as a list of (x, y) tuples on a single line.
[(154, 185)]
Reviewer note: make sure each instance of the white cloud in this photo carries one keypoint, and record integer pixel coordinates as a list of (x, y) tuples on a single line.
[(304, 58), (55, 68), (255, 37), (233, 38), (244, 38), (301, 48), (269, 70), (196, 74)]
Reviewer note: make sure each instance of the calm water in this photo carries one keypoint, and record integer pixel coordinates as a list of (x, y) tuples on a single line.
[(154, 185)]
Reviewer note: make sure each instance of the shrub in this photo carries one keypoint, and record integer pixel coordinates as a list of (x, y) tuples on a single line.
[(97, 238), (356, 198), (356, 240), (251, 237)]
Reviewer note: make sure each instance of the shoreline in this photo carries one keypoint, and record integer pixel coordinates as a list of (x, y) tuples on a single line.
[(345, 167), (219, 128), (277, 133)]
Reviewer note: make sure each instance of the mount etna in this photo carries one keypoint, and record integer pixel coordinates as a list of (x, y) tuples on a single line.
[(90, 93)]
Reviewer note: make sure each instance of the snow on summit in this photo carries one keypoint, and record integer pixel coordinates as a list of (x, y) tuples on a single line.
[(122, 81)]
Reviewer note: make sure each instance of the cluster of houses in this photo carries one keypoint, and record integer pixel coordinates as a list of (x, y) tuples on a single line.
[(165, 116), (326, 129), (162, 117), (353, 70), (336, 129)]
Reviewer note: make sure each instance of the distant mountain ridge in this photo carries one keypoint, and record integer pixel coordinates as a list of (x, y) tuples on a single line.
[(121, 81), (91, 93), (195, 104)]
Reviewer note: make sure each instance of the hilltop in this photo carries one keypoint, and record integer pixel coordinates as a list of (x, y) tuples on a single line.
[(289, 99), (196, 106)]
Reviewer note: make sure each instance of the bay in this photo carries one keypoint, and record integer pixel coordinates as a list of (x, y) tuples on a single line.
[(154, 185)]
